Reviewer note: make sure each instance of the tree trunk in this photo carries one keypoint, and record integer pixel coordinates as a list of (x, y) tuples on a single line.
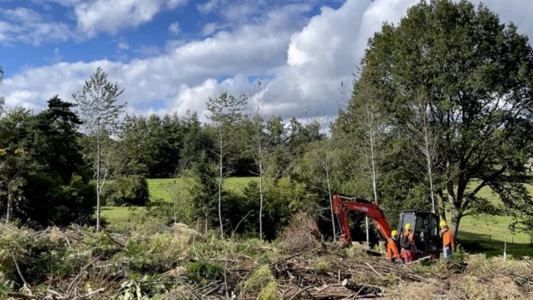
[(220, 191), (331, 203), (441, 208), (9, 204), (174, 210), (456, 215), (98, 168), (261, 197)]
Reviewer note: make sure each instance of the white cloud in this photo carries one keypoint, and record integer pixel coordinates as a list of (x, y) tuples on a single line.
[(209, 28), (148, 50), (250, 50), (174, 28), (123, 44), (97, 16), (208, 6), (56, 58), (21, 14), (27, 26), (306, 58), (60, 2)]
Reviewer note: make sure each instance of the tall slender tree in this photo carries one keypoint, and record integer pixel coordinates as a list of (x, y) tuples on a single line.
[(260, 144), (100, 113), (226, 111), (423, 135)]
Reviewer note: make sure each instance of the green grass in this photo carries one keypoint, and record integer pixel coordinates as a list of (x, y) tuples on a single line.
[(484, 233), (160, 189), (487, 233), (115, 214)]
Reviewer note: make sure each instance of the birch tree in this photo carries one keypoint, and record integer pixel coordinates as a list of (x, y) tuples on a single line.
[(423, 135), (365, 122), (324, 155), (100, 113), (226, 111), (260, 144)]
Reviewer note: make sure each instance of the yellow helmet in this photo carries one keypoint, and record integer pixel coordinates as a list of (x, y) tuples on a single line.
[(407, 226), (394, 232), (443, 223)]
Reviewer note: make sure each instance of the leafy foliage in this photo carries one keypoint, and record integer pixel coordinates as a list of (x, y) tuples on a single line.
[(475, 75), (100, 113), (43, 169), (128, 190)]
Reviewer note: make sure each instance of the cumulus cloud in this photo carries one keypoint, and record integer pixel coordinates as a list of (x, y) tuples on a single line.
[(209, 28), (25, 25), (208, 6), (249, 50), (305, 60), (103, 16), (112, 16)]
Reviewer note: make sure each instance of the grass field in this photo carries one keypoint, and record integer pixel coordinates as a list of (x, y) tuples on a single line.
[(483, 233), (160, 188)]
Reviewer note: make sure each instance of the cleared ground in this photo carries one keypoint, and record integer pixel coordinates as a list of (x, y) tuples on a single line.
[(483, 233)]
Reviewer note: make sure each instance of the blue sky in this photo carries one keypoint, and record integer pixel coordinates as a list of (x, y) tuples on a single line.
[(171, 55), (144, 39)]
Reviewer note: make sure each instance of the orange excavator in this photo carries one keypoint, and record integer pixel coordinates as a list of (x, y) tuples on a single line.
[(424, 224)]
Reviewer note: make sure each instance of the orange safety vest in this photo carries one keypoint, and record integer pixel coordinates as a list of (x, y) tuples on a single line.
[(447, 239)]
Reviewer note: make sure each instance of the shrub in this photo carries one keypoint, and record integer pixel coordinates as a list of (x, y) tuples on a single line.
[(204, 270), (259, 279), (128, 190)]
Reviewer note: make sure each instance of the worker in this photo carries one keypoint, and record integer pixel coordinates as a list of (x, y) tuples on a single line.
[(407, 244), (447, 240), (392, 248)]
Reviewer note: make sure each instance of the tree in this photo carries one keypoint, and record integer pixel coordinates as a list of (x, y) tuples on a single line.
[(48, 182), (2, 100), (195, 140), (476, 75), (361, 128), (424, 142), (100, 114), (226, 112), (259, 145)]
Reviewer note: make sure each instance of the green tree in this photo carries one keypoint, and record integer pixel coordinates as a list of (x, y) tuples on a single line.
[(195, 140), (43, 151), (100, 114), (476, 75), (128, 190), (226, 112), (259, 145)]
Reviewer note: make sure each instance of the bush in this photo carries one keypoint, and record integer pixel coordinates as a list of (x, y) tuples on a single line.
[(129, 190), (204, 270)]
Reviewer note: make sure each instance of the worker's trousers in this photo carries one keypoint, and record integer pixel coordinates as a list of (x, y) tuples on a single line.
[(447, 253)]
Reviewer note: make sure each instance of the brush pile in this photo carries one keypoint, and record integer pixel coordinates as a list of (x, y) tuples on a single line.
[(161, 262)]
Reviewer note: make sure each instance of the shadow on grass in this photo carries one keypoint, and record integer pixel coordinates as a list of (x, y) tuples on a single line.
[(479, 243)]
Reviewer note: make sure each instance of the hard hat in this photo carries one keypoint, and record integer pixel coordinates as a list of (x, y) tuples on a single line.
[(394, 232), (443, 223), (407, 226)]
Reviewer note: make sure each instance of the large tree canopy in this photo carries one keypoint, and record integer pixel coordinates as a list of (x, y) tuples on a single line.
[(469, 77)]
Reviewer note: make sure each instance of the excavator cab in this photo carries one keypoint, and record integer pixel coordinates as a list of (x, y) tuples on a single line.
[(426, 228)]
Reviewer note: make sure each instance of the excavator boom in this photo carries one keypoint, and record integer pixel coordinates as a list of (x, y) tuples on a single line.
[(341, 205)]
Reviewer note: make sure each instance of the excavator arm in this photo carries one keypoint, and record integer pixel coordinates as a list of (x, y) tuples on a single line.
[(341, 205)]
